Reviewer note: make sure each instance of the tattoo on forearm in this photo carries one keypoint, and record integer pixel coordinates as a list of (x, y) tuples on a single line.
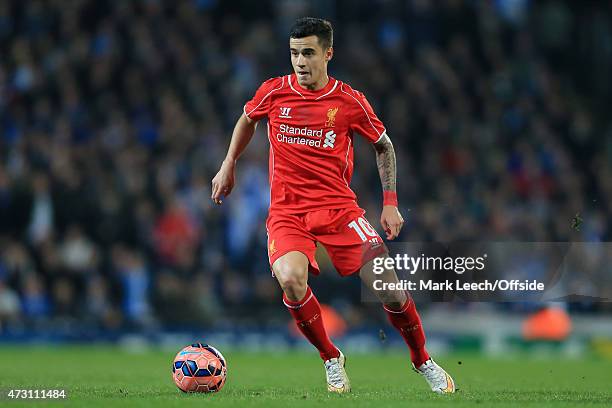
[(385, 160)]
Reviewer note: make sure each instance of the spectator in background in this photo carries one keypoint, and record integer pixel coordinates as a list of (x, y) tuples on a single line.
[(9, 305), (40, 227), (100, 310), (175, 233), (34, 300), (78, 253), (134, 276)]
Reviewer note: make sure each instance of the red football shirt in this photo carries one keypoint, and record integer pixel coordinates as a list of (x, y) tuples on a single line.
[(311, 141)]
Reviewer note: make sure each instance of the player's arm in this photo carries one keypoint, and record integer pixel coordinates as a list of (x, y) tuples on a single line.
[(390, 219), (223, 182), (385, 160)]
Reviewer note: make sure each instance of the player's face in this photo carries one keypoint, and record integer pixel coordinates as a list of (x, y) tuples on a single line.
[(309, 61)]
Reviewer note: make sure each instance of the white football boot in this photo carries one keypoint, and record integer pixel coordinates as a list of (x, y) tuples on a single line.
[(337, 380), (436, 377)]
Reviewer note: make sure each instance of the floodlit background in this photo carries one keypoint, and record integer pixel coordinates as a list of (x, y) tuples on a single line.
[(115, 116)]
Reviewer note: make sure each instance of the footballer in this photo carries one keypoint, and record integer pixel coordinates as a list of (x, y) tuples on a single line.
[(312, 120)]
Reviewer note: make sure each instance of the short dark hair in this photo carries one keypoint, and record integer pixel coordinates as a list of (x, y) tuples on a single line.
[(307, 26)]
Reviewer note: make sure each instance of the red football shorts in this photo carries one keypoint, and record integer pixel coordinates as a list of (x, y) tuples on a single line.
[(347, 236)]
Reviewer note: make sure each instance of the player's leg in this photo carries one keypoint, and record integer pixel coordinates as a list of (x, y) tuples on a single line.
[(352, 245), (291, 271), (400, 309), (402, 314), (291, 251)]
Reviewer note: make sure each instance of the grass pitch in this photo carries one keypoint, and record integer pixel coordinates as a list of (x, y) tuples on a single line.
[(103, 377)]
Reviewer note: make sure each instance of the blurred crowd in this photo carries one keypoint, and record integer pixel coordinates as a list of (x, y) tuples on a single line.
[(115, 115)]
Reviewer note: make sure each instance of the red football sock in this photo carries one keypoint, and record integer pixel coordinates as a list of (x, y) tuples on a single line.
[(307, 316), (408, 322)]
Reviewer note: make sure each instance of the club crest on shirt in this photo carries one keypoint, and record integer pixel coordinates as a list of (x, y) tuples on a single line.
[(331, 117)]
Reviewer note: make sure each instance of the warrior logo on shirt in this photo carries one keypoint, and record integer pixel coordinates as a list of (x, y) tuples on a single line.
[(285, 112), (331, 117)]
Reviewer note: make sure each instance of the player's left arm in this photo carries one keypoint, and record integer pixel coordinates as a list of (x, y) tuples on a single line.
[(390, 219)]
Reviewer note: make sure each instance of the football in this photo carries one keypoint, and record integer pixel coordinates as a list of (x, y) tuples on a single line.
[(199, 368)]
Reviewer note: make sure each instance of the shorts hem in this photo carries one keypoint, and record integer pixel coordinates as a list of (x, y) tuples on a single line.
[(311, 268), (372, 254)]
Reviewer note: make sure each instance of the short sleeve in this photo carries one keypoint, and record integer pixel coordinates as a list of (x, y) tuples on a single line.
[(365, 122), (258, 107)]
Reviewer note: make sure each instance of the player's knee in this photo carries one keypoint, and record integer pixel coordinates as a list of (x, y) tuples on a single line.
[(394, 305), (394, 300), (292, 280)]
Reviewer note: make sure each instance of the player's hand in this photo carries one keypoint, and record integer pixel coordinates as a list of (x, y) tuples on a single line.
[(391, 221), (223, 182)]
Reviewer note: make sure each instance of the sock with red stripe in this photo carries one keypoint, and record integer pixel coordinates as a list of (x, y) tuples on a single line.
[(408, 322), (307, 316)]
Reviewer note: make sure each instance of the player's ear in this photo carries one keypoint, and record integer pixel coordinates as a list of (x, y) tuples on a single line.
[(329, 53)]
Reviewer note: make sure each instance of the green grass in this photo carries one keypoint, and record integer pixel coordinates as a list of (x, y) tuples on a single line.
[(103, 377)]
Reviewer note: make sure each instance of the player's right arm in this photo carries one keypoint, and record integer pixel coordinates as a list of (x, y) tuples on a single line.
[(223, 182), (254, 110)]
